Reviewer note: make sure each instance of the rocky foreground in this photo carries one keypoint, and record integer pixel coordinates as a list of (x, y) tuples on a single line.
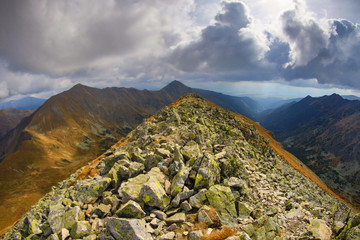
[(192, 171)]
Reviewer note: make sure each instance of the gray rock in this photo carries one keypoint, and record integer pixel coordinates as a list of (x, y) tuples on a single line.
[(244, 210), (62, 217), (154, 195), (204, 217), (131, 209), (160, 214), (195, 235), (234, 182), (121, 228), (176, 218), (167, 236), (102, 210), (222, 200), (178, 181), (80, 229), (320, 230), (198, 199), (186, 206), (88, 190)]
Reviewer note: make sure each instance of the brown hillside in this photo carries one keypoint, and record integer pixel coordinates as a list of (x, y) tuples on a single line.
[(9, 118)]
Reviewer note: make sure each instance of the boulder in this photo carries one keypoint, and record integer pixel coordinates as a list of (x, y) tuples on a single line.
[(154, 195), (80, 229), (198, 199), (178, 181), (320, 230), (208, 173), (88, 190), (130, 190), (62, 217), (131, 209), (127, 229), (221, 198)]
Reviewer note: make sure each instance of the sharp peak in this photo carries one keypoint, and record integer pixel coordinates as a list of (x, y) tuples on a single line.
[(175, 83)]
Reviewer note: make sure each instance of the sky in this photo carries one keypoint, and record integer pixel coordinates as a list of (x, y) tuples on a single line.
[(259, 48)]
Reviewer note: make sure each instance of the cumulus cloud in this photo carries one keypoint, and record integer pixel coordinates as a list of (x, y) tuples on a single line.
[(333, 60), (229, 45), (305, 35)]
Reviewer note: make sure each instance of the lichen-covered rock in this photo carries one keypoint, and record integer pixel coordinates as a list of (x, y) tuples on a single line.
[(176, 218), (127, 229), (130, 209), (130, 190), (102, 210), (208, 173), (198, 199), (63, 217), (154, 195), (80, 229), (191, 151), (320, 230), (33, 225), (88, 190), (244, 210), (221, 198), (178, 181)]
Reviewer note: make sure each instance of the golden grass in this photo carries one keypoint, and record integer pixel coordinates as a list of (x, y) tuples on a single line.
[(221, 234)]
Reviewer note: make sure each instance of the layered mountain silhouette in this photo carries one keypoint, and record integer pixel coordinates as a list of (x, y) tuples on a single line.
[(325, 134), (191, 171), (73, 127), (9, 118), (26, 103)]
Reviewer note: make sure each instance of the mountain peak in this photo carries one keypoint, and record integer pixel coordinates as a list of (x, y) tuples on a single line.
[(175, 86), (189, 159)]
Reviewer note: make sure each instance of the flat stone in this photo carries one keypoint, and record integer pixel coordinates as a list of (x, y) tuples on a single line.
[(176, 218)]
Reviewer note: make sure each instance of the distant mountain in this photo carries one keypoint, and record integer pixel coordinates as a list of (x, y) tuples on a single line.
[(10, 118), (324, 133), (73, 127), (350, 97), (26, 103), (244, 105), (273, 102)]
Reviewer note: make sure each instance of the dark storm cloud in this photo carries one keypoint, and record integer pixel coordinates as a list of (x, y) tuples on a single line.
[(227, 46)]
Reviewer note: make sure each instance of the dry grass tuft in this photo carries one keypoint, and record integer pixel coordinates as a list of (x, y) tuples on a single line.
[(222, 234)]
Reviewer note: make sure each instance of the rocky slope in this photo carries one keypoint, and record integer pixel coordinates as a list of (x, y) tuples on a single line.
[(69, 130), (191, 171), (324, 133)]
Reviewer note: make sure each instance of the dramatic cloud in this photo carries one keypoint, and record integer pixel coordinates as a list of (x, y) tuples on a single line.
[(330, 54), (305, 36), (230, 45), (49, 45), (62, 37)]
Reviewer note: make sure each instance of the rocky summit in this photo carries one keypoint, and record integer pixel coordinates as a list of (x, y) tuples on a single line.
[(192, 171)]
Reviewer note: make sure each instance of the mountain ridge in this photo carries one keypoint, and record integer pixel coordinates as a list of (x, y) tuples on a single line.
[(68, 130), (191, 170)]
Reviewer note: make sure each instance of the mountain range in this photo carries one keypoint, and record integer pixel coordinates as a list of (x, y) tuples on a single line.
[(324, 133), (26, 103), (191, 171), (73, 127)]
